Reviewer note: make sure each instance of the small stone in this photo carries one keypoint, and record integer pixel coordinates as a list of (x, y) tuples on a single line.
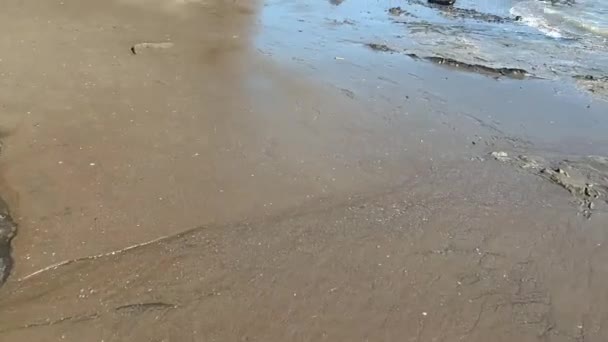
[(396, 11), (500, 155)]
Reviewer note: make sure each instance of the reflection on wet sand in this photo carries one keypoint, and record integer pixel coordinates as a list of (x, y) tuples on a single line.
[(113, 148), (106, 139)]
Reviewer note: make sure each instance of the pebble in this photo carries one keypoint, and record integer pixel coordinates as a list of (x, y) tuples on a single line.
[(500, 155)]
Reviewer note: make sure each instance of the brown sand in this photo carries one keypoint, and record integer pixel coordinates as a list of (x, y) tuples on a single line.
[(316, 206)]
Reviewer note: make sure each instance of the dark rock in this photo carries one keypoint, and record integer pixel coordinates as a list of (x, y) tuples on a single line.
[(8, 229), (442, 2)]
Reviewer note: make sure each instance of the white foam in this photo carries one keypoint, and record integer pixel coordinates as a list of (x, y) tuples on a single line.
[(536, 21), (587, 25)]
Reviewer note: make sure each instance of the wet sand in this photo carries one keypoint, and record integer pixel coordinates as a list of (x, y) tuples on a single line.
[(224, 170)]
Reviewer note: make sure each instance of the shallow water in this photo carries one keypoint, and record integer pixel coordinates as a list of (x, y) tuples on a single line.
[(551, 41), (583, 19), (330, 40)]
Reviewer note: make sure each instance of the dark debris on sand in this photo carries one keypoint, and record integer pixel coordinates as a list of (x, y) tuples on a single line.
[(8, 229), (398, 11), (380, 47)]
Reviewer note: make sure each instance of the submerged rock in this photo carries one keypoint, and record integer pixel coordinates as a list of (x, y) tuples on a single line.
[(397, 11), (515, 73), (380, 47), (478, 68), (463, 13), (597, 85), (466, 13)]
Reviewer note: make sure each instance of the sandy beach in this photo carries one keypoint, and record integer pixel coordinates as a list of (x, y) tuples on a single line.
[(227, 170)]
